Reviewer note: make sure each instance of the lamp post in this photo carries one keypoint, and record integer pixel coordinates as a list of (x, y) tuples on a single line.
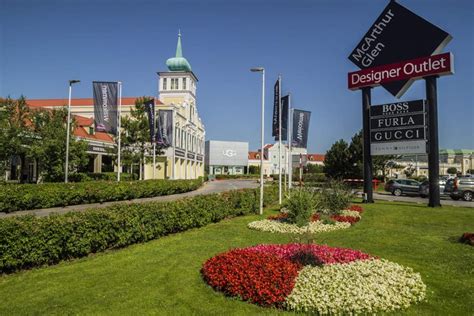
[(262, 70), (66, 167)]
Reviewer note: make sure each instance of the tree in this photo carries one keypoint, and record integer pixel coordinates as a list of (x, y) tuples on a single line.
[(452, 170), (356, 163), (135, 138), (48, 145), (15, 133), (337, 160)]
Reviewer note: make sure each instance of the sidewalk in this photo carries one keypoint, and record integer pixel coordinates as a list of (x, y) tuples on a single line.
[(207, 188)]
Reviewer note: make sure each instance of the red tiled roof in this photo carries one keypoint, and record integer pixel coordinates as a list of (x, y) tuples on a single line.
[(83, 121), (267, 146), (99, 136), (77, 102), (316, 157), (253, 155)]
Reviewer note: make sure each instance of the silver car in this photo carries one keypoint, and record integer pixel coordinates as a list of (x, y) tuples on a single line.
[(460, 187)]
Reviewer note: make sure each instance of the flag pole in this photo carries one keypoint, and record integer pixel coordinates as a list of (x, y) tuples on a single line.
[(279, 139), (290, 127), (154, 140), (173, 166), (119, 163)]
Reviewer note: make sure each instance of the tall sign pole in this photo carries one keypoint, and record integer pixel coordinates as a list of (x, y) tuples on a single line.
[(433, 145), (290, 137), (66, 167), (154, 142), (279, 139), (366, 101)]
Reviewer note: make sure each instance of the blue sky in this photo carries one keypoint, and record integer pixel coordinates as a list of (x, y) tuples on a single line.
[(45, 43)]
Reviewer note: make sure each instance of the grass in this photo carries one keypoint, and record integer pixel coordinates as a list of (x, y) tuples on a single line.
[(162, 277)]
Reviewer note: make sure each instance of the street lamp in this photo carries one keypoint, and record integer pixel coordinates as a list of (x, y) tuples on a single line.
[(66, 168), (262, 70)]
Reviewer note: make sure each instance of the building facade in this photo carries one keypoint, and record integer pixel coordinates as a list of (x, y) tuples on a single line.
[(417, 165), (226, 157), (177, 92)]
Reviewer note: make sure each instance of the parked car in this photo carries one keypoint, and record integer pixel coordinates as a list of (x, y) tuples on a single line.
[(424, 188), (402, 186), (460, 187)]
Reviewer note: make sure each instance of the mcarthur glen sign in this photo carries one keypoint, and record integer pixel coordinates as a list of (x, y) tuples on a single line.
[(398, 128), (440, 65), (398, 34), (398, 48)]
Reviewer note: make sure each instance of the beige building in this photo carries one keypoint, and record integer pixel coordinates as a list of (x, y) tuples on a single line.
[(461, 159), (177, 92)]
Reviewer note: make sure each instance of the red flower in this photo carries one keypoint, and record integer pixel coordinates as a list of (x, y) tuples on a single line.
[(356, 208), (347, 219), (262, 278)]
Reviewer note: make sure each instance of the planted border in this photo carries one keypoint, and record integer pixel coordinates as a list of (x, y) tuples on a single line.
[(17, 197), (29, 241)]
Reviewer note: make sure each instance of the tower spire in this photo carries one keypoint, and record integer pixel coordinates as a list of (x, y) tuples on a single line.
[(178, 63), (179, 50)]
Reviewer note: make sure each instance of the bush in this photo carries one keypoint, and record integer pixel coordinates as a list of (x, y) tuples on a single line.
[(29, 241), (314, 177), (334, 198), (301, 204), (33, 196), (104, 176), (236, 176)]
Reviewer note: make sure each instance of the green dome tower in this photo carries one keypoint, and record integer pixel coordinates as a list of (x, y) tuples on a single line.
[(178, 63)]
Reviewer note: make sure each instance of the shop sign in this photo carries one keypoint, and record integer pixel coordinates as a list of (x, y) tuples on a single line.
[(439, 65), (396, 35), (398, 128)]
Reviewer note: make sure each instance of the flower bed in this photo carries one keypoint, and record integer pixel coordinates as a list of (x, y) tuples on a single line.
[(279, 223), (314, 278)]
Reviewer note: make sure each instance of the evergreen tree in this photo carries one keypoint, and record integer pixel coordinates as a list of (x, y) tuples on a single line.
[(337, 161)]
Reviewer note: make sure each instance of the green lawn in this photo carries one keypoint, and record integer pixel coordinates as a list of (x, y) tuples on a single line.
[(162, 276)]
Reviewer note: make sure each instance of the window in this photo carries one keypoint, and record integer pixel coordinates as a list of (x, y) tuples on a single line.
[(165, 83), (184, 83), (174, 83)]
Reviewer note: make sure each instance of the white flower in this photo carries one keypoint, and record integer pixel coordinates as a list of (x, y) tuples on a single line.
[(279, 227), (364, 286)]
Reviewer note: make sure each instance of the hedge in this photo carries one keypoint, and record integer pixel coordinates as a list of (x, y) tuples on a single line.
[(237, 176), (15, 197), (28, 241), (107, 176)]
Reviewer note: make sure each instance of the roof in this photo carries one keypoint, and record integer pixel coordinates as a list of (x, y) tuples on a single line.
[(253, 155), (267, 146), (316, 157), (78, 102), (81, 132)]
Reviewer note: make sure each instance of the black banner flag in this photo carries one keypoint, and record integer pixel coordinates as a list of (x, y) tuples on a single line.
[(105, 106), (165, 128), (276, 110), (285, 105), (150, 109), (300, 128)]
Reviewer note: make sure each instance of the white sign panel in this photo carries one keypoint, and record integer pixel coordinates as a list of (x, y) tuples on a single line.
[(397, 148)]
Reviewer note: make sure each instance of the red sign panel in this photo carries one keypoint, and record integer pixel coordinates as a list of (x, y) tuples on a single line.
[(441, 64)]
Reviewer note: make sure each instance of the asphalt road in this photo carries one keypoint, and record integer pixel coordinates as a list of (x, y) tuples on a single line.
[(445, 199), (207, 188)]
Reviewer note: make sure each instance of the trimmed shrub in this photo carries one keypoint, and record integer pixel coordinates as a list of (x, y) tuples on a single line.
[(102, 176), (236, 176), (334, 198), (29, 241), (15, 197), (301, 204)]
